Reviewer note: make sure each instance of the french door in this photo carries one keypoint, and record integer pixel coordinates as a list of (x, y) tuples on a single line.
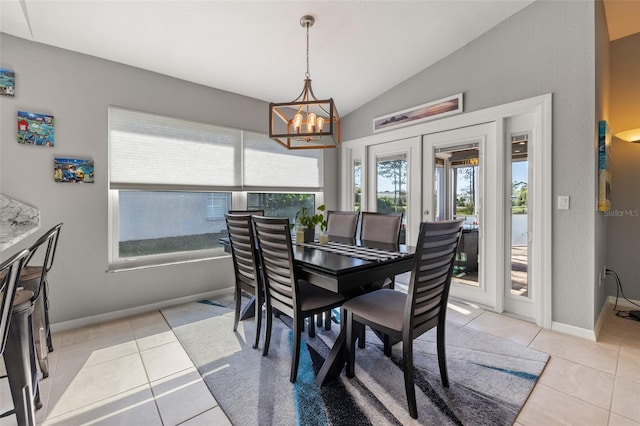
[(393, 179), (493, 168), (460, 176)]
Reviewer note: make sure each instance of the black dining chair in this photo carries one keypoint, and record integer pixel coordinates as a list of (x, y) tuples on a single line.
[(343, 224), (16, 341), (285, 292), (245, 266), (379, 228), (35, 278), (407, 316)]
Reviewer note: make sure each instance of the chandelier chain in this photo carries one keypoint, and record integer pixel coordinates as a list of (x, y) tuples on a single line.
[(307, 75)]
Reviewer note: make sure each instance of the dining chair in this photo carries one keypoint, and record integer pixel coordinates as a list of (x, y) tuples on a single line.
[(407, 316), (16, 341), (246, 267), (35, 278), (342, 224), (381, 228), (285, 292)]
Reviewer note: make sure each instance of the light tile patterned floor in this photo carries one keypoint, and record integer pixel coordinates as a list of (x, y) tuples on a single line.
[(134, 372)]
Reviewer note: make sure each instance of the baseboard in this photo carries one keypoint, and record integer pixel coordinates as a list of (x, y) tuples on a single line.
[(124, 313), (625, 303), (574, 331), (601, 319)]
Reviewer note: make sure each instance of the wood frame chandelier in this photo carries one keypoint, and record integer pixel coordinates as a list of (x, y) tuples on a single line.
[(306, 122)]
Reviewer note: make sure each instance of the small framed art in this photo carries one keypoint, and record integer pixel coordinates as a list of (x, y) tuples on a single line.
[(73, 170)]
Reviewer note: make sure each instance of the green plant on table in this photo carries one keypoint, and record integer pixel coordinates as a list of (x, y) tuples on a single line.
[(306, 219)]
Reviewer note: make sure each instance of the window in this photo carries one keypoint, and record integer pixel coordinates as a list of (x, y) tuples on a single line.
[(280, 205), (171, 182), (160, 222)]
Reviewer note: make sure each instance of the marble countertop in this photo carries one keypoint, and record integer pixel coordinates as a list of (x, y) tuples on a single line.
[(17, 221)]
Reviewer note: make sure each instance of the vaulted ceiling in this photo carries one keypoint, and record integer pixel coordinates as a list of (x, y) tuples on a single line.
[(358, 49)]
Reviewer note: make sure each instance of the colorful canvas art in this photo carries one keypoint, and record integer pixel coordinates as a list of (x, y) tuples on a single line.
[(604, 170), (7, 82), (73, 170), (35, 129)]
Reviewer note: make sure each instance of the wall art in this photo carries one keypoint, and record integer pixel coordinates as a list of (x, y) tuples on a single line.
[(604, 167), (418, 114), (74, 170), (35, 129), (7, 82)]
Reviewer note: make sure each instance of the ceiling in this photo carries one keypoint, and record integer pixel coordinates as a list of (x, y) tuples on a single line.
[(358, 49)]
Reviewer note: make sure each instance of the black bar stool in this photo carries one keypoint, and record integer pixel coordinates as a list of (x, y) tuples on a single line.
[(16, 341)]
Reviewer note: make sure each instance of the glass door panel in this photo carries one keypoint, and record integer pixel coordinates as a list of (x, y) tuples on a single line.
[(392, 167), (357, 185), (457, 196), (519, 217), (459, 167)]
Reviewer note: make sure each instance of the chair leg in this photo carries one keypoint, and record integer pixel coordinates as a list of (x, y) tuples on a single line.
[(407, 366), (327, 320), (297, 336), (258, 320), (236, 318), (361, 339), (20, 359), (267, 334), (386, 340), (442, 359), (312, 326), (352, 335), (319, 320), (47, 325)]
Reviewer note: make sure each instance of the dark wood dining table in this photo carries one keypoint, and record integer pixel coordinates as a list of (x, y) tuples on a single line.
[(345, 273)]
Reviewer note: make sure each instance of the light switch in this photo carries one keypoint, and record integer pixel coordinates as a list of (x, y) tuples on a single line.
[(563, 202)]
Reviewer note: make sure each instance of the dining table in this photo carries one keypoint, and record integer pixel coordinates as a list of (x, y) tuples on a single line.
[(344, 266)]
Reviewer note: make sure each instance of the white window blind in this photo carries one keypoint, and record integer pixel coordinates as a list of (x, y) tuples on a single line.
[(158, 151), (269, 165)]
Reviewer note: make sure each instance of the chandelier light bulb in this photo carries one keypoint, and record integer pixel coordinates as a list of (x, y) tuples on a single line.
[(297, 122), (311, 122), (319, 124)]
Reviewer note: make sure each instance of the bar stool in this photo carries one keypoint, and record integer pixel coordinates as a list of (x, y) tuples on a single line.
[(35, 279), (16, 344)]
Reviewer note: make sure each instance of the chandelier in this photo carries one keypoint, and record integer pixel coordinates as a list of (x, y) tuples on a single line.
[(306, 122)]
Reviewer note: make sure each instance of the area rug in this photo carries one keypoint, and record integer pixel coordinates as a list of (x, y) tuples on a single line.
[(490, 378)]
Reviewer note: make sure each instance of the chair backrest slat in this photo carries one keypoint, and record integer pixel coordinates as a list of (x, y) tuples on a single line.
[(10, 273), (431, 275), (276, 255), (381, 227)]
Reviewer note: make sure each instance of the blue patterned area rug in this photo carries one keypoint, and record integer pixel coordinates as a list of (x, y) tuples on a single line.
[(490, 378)]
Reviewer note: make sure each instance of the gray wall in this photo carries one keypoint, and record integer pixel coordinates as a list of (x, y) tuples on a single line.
[(601, 113), (77, 89), (547, 47), (623, 249)]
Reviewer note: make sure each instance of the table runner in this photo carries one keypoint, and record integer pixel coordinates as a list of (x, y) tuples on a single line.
[(365, 253)]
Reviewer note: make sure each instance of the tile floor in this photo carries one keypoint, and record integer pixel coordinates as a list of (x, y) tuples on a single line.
[(134, 372)]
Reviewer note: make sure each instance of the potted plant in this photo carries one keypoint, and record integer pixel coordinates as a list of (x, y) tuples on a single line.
[(307, 222)]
